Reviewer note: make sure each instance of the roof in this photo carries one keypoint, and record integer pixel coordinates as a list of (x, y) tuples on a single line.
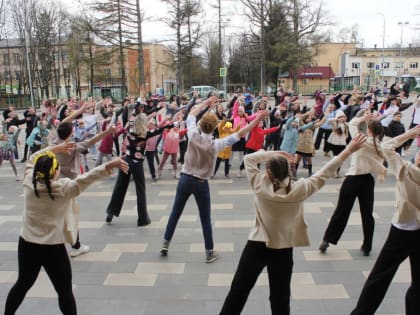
[(315, 72)]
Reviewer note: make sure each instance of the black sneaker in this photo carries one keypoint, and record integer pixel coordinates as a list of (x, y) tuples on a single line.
[(109, 217), (212, 256), (164, 249), (323, 247)]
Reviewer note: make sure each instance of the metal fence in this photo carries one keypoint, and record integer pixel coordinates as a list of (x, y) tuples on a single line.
[(18, 101)]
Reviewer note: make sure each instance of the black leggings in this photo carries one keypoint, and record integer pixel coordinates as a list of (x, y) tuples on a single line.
[(56, 262)]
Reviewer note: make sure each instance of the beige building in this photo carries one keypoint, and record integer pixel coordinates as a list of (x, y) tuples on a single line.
[(367, 66), (14, 83)]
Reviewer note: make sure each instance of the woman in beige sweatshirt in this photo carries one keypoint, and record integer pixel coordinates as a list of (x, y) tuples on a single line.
[(49, 203), (404, 236), (279, 225)]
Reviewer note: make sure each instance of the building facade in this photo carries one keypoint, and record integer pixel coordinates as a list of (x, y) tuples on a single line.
[(82, 70)]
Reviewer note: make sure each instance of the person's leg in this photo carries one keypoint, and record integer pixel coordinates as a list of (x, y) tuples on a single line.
[(226, 161), (201, 192), (327, 133), (138, 176), (117, 145), (309, 161), (183, 192), (338, 222), (251, 263), (118, 194), (29, 262), (393, 253), (162, 162), (58, 268), (366, 198), (150, 155), (99, 159), (412, 302), (216, 167), (174, 164), (13, 165), (318, 138), (279, 269)]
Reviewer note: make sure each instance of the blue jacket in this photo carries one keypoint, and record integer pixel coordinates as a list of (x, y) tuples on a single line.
[(291, 136)]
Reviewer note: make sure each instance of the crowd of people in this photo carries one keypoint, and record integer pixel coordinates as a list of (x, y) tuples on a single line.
[(198, 134)]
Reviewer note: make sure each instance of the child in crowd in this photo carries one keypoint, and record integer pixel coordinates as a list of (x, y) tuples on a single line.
[(171, 147), (396, 128), (224, 129), (8, 141), (38, 139)]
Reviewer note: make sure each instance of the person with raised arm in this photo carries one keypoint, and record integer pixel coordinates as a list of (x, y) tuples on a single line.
[(279, 225), (49, 222), (199, 165), (404, 236)]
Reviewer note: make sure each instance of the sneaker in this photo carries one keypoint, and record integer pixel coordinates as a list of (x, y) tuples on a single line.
[(227, 176), (109, 217), (164, 249), (323, 247), (212, 256), (239, 175), (17, 178), (79, 251), (23, 161), (86, 168), (154, 179)]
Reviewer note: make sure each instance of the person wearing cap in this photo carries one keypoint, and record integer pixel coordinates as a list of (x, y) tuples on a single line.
[(338, 137), (50, 220)]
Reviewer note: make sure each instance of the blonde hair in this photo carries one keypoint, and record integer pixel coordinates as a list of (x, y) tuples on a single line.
[(208, 122), (140, 124)]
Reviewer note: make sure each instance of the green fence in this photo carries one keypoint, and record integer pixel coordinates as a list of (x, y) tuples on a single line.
[(19, 101)]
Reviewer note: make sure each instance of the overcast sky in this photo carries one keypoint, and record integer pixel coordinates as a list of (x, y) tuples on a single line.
[(344, 13)]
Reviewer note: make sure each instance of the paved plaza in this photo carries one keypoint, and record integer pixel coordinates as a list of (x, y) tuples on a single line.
[(124, 273)]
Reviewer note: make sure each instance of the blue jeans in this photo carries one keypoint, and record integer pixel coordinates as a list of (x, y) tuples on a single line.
[(188, 185)]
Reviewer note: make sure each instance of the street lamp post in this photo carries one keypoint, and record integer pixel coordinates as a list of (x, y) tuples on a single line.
[(401, 44), (383, 47)]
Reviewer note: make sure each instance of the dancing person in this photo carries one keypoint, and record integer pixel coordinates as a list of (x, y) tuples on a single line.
[(137, 135), (8, 146), (49, 200), (359, 183), (404, 235), (279, 225), (199, 164)]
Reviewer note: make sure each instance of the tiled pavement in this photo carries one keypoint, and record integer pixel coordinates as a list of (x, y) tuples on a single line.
[(124, 273)]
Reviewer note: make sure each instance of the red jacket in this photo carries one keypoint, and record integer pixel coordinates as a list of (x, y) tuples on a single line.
[(256, 137)]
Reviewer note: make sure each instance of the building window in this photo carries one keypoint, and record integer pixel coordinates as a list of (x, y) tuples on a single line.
[(414, 65), (16, 59), (385, 65), (355, 65), (371, 65), (6, 60)]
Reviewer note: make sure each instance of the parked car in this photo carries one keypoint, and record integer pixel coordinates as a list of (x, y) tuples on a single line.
[(204, 90)]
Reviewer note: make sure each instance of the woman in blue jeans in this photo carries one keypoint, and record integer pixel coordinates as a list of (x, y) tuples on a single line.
[(199, 164), (279, 225)]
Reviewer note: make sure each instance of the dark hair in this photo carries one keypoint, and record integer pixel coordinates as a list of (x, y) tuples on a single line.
[(64, 130), (377, 131), (42, 167), (278, 169)]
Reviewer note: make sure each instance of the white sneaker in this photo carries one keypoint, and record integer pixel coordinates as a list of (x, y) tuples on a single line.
[(81, 250)]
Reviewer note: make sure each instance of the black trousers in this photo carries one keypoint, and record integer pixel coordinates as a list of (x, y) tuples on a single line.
[(399, 245), (120, 189), (182, 149), (361, 187), (255, 257), (56, 262), (216, 167), (322, 133), (150, 156)]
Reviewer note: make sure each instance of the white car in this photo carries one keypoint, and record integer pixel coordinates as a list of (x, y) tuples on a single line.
[(204, 90)]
